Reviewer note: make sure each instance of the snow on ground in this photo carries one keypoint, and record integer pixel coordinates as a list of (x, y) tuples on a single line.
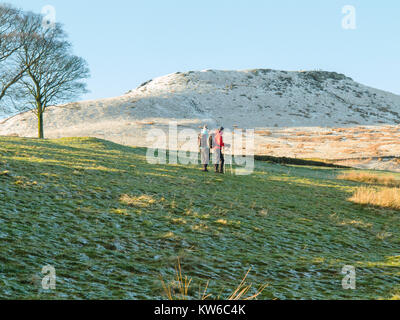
[(296, 114)]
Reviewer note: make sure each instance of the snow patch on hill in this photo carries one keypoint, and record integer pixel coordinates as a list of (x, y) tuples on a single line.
[(261, 98)]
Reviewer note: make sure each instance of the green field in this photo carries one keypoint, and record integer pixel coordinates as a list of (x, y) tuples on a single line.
[(112, 224)]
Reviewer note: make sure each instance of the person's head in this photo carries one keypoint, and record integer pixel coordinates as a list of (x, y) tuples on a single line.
[(205, 129), (221, 129)]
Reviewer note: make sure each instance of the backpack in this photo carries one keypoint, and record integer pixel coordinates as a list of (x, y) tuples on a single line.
[(210, 141)]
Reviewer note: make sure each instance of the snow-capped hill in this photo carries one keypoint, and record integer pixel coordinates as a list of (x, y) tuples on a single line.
[(258, 98), (264, 98)]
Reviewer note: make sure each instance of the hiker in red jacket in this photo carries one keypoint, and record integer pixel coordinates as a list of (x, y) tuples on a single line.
[(218, 145)]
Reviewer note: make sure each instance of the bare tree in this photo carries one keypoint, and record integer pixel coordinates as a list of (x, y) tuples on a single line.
[(11, 26), (16, 29), (53, 74), (8, 31), (19, 30)]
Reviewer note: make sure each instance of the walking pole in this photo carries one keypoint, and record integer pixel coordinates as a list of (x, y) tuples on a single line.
[(232, 153), (231, 162), (224, 165), (224, 159)]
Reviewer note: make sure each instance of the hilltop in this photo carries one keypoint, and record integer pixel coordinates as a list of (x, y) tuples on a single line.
[(306, 114), (247, 99)]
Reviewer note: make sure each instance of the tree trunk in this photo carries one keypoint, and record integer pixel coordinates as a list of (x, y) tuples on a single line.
[(40, 119), (40, 125)]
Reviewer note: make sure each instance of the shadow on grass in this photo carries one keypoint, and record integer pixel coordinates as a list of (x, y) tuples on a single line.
[(296, 233)]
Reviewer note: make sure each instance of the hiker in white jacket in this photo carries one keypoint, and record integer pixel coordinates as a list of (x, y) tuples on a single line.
[(204, 148)]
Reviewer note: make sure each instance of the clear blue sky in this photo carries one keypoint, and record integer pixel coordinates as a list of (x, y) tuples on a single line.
[(127, 42)]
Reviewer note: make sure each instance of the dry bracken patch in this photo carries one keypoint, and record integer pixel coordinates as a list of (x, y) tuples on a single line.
[(384, 197), (370, 178)]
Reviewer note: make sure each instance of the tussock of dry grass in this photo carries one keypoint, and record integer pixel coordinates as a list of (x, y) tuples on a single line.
[(264, 133), (270, 146), (348, 151), (385, 197), (304, 134), (316, 139), (143, 201), (365, 177), (179, 289)]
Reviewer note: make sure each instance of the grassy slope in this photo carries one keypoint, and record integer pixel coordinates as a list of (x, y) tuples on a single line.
[(60, 205)]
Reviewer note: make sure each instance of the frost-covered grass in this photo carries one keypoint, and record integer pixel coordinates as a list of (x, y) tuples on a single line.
[(113, 225)]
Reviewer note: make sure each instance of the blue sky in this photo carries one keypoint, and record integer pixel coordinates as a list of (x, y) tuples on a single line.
[(129, 42)]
